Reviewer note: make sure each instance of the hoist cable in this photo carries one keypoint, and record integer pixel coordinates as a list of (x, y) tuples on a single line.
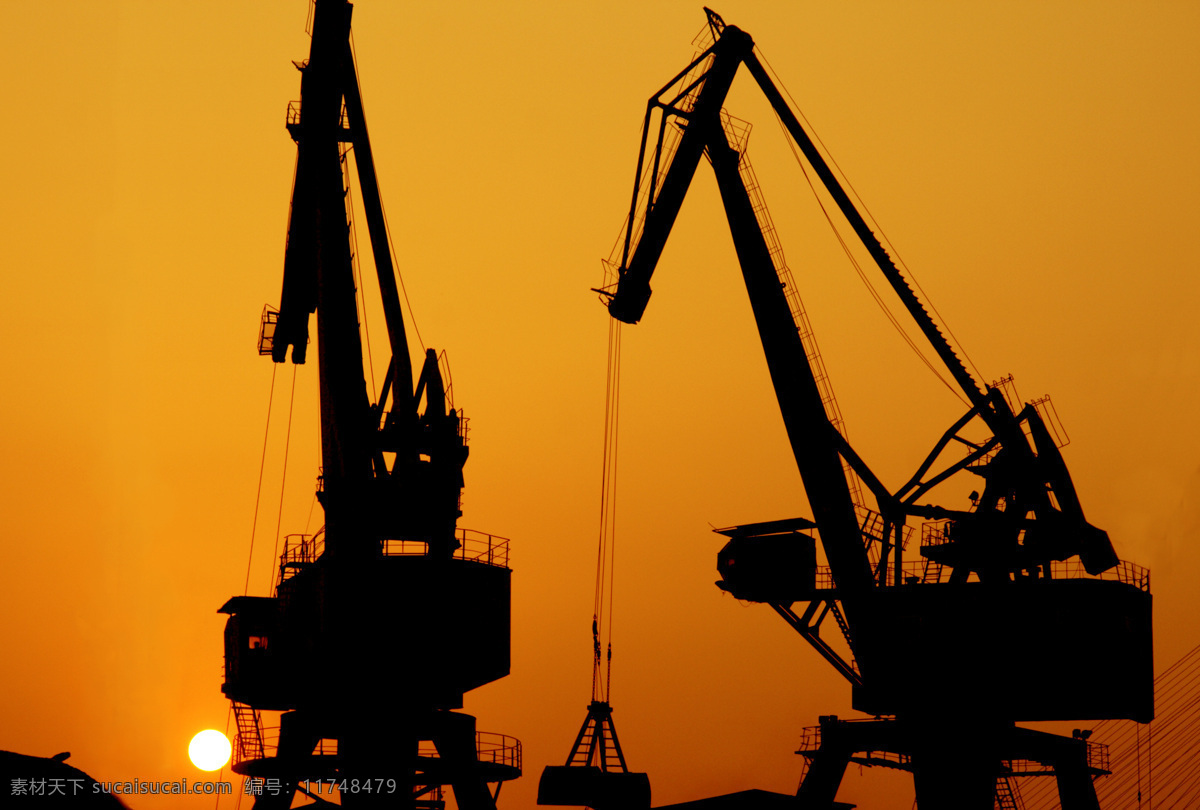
[(605, 550), (863, 206), (311, 506), (877, 227), (386, 227), (262, 465), (287, 446), (883, 307), (612, 498)]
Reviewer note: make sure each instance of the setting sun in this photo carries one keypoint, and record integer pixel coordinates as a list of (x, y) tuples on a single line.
[(209, 750)]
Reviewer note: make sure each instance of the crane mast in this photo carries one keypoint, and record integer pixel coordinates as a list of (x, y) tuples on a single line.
[(923, 636)]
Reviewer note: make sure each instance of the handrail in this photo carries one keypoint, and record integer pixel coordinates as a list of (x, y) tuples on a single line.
[(1097, 753), (490, 747), (810, 743), (301, 550), (1097, 756), (266, 745), (926, 573), (939, 532), (474, 546), (293, 115)]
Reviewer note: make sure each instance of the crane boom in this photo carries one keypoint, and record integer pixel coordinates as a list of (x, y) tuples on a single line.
[(811, 435), (633, 289), (813, 439)]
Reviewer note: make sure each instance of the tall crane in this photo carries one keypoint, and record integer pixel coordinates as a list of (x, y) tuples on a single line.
[(1018, 610), (383, 620)]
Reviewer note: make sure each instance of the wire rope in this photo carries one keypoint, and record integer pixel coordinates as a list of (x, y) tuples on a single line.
[(311, 507), (875, 226), (287, 446), (258, 492), (874, 222), (602, 605), (883, 307), (253, 530), (386, 227), (612, 498)]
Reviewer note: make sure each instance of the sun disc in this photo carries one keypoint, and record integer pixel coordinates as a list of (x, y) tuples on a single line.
[(209, 750)]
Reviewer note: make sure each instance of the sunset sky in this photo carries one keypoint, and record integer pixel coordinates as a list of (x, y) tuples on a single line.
[(1036, 165)]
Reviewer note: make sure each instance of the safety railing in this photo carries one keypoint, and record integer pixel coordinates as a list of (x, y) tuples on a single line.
[(1125, 571), (266, 330), (293, 116), (245, 749), (490, 747), (885, 758), (300, 551), (1097, 757), (461, 429), (472, 545), (500, 749), (1046, 410), (1097, 761), (248, 747), (872, 525), (936, 532), (927, 572), (940, 532), (823, 579), (810, 743)]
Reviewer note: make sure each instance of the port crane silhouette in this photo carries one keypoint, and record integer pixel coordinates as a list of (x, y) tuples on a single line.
[(1017, 608), (381, 621)]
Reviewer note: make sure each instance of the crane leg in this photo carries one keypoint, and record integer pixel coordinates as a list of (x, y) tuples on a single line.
[(955, 765), (455, 741), (824, 776), (1075, 788)]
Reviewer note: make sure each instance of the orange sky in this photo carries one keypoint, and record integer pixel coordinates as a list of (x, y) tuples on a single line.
[(1035, 164)]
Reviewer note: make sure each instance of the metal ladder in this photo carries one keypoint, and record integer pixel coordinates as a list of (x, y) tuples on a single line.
[(1008, 797), (249, 737), (738, 134)]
